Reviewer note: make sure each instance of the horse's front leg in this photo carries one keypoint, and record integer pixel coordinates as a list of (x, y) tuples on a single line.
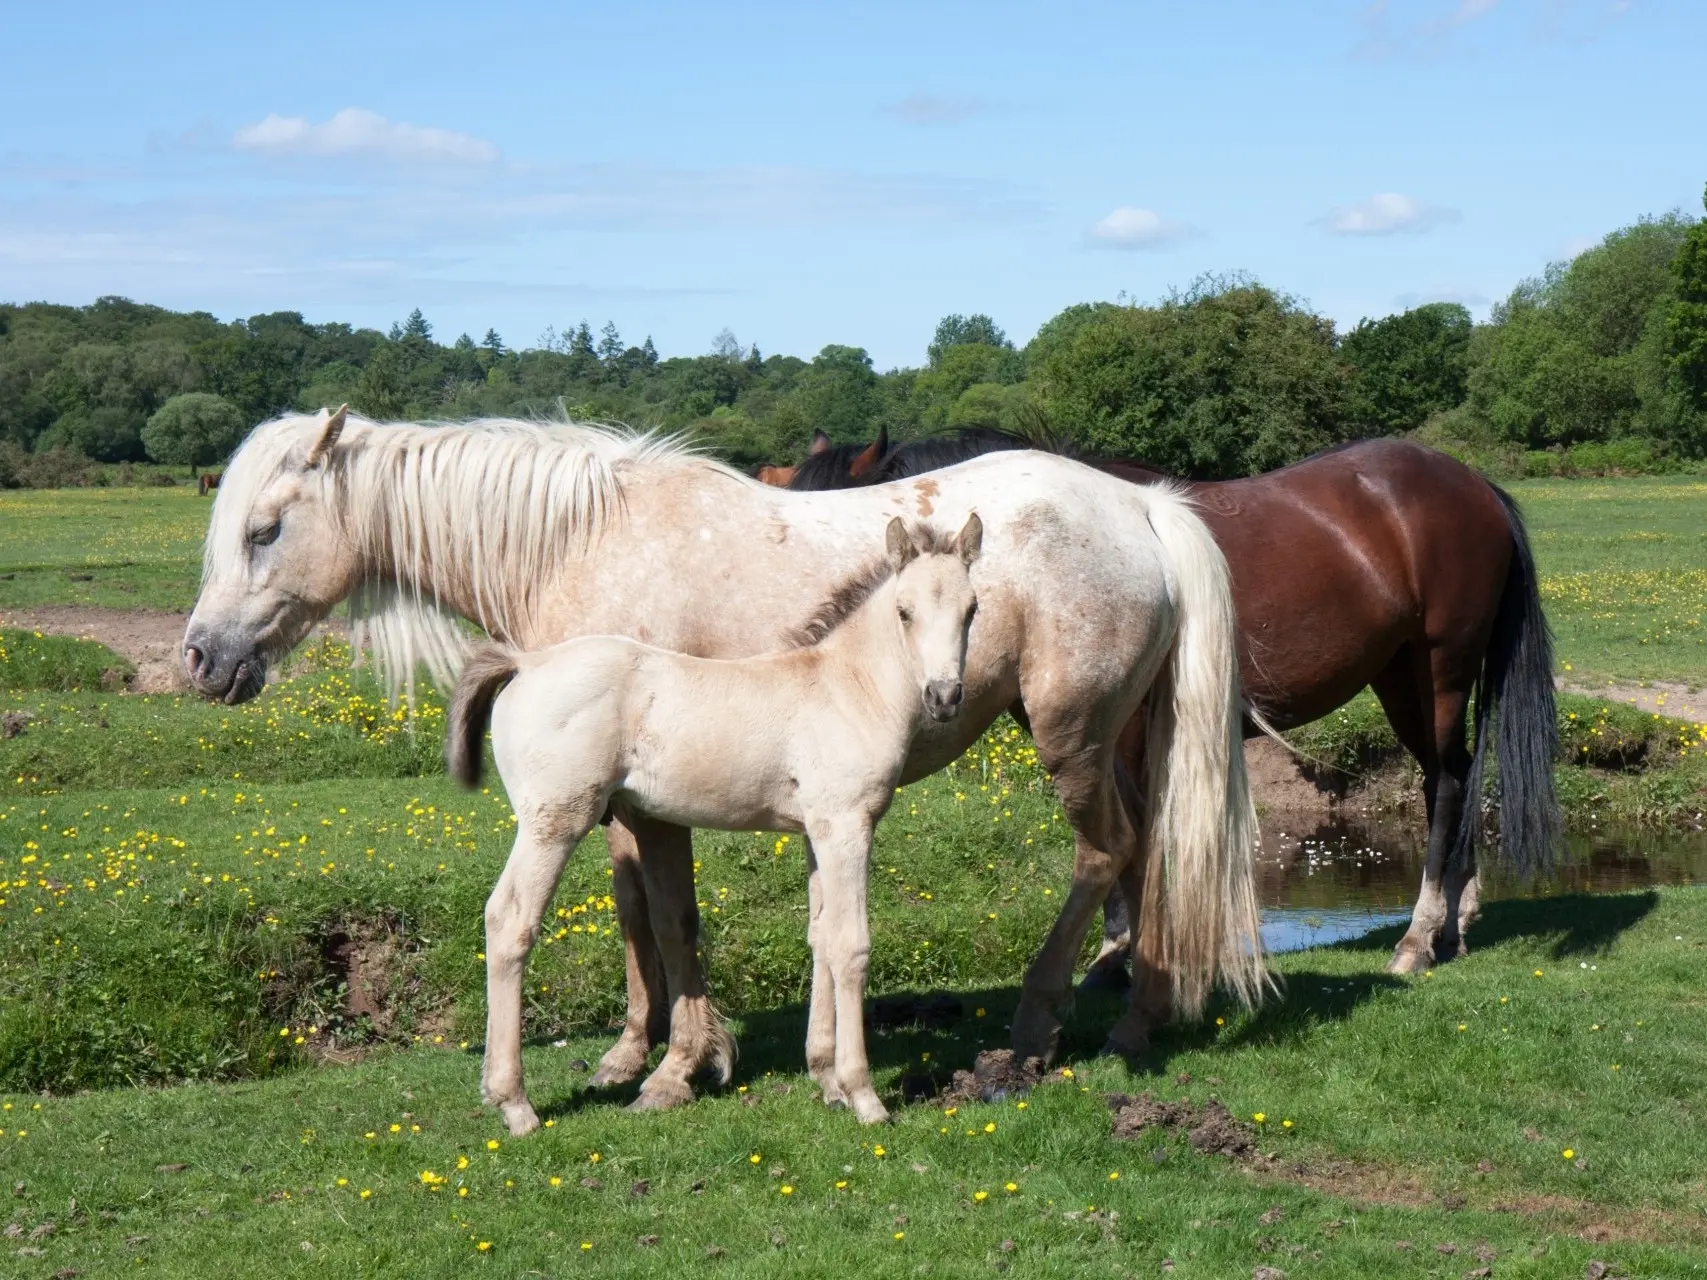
[(843, 851), (1104, 843), (821, 1021), (513, 915), (648, 1021), (698, 1037)]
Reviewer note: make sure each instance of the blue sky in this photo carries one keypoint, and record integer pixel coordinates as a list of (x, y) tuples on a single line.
[(805, 173)]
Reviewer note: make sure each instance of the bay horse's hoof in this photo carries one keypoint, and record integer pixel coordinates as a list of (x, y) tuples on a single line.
[(1036, 1031)]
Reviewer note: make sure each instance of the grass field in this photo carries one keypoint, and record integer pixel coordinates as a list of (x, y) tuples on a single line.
[(189, 892)]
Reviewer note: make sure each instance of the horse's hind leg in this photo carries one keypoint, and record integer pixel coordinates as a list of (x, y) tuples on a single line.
[(1428, 718), (513, 914), (1128, 919), (1104, 843), (648, 1021), (698, 1037)]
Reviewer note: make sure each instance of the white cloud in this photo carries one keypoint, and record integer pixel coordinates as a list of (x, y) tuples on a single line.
[(930, 109), (1385, 214), (354, 131), (1130, 227)]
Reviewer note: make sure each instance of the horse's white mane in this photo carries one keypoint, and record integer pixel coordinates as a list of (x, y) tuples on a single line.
[(487, 510)]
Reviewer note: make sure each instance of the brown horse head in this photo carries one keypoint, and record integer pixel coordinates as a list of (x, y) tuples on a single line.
[(870, 456), (776, 477)]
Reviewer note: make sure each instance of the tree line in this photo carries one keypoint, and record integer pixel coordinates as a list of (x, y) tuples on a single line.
[(1601, 362)]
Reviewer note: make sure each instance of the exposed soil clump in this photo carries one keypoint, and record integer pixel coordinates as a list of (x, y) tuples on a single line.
[(1210, 1128), (994, 1076)]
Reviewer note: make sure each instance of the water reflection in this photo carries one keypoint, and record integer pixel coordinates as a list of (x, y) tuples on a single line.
[(1324, 882)]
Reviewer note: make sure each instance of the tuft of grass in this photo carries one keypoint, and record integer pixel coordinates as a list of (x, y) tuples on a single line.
[(30, 660)]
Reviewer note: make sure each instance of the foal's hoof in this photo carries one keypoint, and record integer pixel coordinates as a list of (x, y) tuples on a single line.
[(869, 1109)]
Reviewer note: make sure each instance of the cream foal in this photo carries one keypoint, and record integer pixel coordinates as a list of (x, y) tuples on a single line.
[(809, 740)]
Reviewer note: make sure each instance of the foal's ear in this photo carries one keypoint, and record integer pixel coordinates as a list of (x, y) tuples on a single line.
[(971, 539), (899, 544), (871, 455), (329, 433), (820, 444)]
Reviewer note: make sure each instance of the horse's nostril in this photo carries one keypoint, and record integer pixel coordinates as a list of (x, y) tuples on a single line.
[(193, 660)]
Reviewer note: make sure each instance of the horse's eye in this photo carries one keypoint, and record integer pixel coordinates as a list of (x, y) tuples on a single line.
[(906, 614), (265, 536)]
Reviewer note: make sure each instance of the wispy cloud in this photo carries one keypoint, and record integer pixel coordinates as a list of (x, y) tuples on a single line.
[(924, 109), (358, 132), (1129, 227), (1428, 37), (1385, 214)]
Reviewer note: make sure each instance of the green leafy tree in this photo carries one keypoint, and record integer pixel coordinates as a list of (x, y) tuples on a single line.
[(610, 347), (1686, 318), (1409, 366), (838, 393), (193, 430), (382, 393), (416, 328), (492, 343), (957, 330), (1227, 379)]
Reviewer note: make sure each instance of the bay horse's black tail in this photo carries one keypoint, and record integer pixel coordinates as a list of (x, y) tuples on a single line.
[(1516, 691)]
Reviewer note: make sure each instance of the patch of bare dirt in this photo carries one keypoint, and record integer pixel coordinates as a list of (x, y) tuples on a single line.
[(1210, 1128), (1290, 786), (995, 1075), (1662, 697)]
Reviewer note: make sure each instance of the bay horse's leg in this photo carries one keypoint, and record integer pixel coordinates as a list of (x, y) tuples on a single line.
[(821, 1021), (1104, 843), (648, 1021), (1432, 719), (698, 1037), (843, 851), (513, 915)]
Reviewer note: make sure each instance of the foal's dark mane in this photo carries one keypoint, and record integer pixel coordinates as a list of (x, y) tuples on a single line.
[(852, 593)]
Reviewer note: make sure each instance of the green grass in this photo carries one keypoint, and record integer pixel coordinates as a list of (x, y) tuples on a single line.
[(31, 660), (122, 548), (1623, 574)]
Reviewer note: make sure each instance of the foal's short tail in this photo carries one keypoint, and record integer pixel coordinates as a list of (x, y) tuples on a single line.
[(1516, 691), (1202, 822), (487, 670)]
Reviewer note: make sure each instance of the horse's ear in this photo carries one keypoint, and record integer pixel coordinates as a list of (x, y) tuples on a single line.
[(776, 477), (899, 544), (971, 539), (871, 455), (820, 444), (329, 433)]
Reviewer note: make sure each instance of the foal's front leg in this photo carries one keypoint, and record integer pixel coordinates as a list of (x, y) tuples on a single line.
[(844, 857), (513, 915), (821, 1021)]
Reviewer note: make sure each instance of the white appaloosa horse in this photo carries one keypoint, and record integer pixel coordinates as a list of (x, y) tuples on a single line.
[(1093, 593), (810, 740)]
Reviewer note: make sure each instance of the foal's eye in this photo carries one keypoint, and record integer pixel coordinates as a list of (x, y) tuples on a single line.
[(266, 535), (906, 614)]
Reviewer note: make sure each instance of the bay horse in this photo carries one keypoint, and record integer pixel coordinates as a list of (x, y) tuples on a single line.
[(1095, 597), (1379, 563), (209, 481), (809, 740)]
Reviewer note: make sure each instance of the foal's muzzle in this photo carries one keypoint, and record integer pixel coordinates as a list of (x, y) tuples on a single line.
[(943, 699)]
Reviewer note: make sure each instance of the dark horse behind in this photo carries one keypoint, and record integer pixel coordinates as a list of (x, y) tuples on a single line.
[(1380, 563)]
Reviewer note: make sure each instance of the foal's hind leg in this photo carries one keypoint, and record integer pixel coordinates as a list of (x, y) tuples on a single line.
[(648, 1021), (698, 1037), (513, 914)]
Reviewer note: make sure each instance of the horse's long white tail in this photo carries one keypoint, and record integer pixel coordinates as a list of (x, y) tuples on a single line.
[(1197, 797)]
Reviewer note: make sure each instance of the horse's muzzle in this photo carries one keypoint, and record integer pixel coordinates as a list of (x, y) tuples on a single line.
[(223, 673), (943, 699)]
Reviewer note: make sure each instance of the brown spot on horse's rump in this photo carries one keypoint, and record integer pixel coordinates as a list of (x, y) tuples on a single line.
[(927, 489)]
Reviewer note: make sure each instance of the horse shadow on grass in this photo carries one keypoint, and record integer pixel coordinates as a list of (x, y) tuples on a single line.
[(917, 1057)]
